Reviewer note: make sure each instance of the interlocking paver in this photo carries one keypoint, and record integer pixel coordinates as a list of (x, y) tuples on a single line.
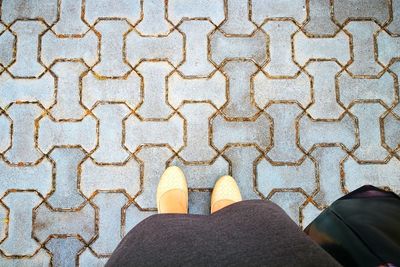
[(19, 240), (64, 250), (196, 57), (368, 9), (328, 159), (280, 48), (342, 130), (325, 105), (267, 9), (320, 22), (379, 89), (237, 20), (363, 33), (27, 90), (239, 102), (95, 177), (112, 62), (285, 148), (110, 218), (66, 195), (296, 99), (27, 33)]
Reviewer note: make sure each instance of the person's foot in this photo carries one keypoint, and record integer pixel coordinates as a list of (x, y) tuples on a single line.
[(226, 192), (172, 192)]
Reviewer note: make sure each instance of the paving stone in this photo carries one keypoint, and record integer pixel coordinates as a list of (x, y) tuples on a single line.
[(84, 48), (21, 9), (87, 258), (27, 53), (110, 232), (154, 77), (309, 213), (202, 175), (68, 90), (27, 90), (154, 160), (388, 47), (199, 202), (227, 132), (240, 103), (194, 9), (7, 41), (5, 132), (368, 9), (42, 258), (196, 58), (23, 148), (19, 240), (364, 48), (320, 22), (243, 160), (394, 25), (269, 90), (237, 18), (70, 22), (306, 48), (74, 133), (133, 216), (50, 222), (154, 132), (64, 250), (325, 105), (280, 48), (181, 90), (297, 100), (27, 177), (266, 9), (110, 149), (112, 62), (312, 132), (96, 89), (270, 177), (95, 9), (237, 47), (356, 174), (168, 47), (370, 148), (284, 148), (391, 124), (4, 222), (329, 173), (379, 89), (110, 177), (290, 202), (153, 21), (66, 195), (198, 134)]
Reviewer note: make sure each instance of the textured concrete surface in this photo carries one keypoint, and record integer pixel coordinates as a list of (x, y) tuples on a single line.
[(297, 99)]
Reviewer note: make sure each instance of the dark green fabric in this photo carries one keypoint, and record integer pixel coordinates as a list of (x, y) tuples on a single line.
[(363, 230)]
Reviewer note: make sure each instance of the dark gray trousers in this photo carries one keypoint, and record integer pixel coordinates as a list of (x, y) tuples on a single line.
[(247, 233)]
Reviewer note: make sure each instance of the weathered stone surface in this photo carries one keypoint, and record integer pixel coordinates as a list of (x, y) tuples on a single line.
[(296, 99)]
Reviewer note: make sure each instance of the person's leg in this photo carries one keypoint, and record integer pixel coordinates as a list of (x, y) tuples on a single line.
[(246, 233)]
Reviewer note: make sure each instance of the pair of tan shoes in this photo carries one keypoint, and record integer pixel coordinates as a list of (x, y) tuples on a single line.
[(172, 192)]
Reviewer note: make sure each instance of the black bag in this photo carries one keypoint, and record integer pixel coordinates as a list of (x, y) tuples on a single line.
[(361, 228)]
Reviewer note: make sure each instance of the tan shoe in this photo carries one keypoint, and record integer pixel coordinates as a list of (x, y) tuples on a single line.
[(172, 192), (226, 192)]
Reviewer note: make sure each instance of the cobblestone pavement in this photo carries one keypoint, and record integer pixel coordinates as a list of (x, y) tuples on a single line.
[(297, 99)]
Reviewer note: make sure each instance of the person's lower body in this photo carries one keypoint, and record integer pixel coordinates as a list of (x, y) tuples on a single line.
[(246, 233)]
